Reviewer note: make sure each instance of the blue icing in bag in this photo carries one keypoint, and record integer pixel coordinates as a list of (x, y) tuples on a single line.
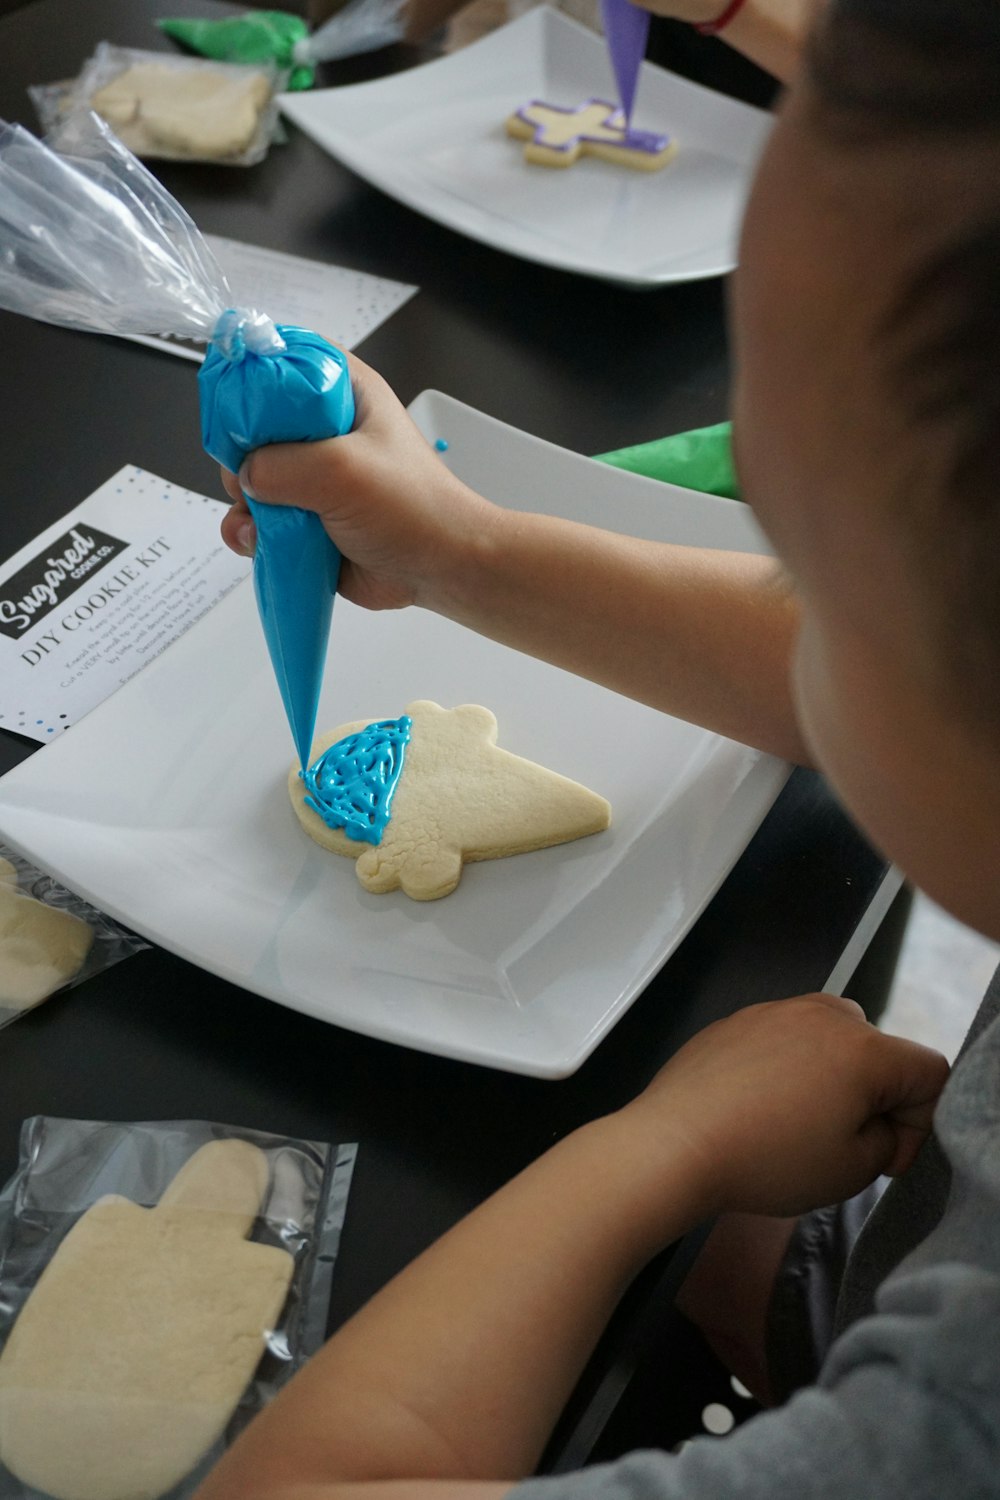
[(259, 385)]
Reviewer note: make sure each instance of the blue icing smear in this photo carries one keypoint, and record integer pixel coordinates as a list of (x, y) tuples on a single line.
[(351, 784)]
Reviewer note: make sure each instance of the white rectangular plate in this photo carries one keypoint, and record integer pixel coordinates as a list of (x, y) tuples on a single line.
[(434, 138), (167, 805)]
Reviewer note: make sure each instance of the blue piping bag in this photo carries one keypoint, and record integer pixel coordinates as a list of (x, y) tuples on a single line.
[(90, 239), (626, 29), (264, 384)]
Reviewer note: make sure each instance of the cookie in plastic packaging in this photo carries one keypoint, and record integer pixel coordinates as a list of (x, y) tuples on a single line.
[(174, 108), (158, 1284), (49, 938)]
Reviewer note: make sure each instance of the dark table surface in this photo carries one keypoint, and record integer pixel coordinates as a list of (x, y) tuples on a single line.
[(157, 1038)]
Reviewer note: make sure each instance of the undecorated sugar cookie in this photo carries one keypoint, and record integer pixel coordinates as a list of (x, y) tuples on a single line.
[(558, 137), (41, 947), (132, 1351), (199, 111), (411, 799)]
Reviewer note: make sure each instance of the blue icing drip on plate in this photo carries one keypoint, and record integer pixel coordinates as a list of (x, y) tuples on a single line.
[(351, 784)]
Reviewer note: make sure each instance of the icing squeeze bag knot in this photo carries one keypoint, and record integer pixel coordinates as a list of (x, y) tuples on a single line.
[(92, 240)]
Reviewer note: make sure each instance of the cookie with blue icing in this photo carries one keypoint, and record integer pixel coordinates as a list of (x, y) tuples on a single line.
[(413, 799)]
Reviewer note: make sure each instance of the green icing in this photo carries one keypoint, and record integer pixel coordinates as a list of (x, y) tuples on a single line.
[(260, 36), (698, 460)]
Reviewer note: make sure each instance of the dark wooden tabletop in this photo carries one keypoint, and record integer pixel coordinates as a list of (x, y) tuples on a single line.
[(157, 1038)]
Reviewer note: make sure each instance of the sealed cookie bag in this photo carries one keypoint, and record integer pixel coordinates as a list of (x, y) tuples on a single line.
[(159, 1282), (93, 241), (49, 938), (174, 108)]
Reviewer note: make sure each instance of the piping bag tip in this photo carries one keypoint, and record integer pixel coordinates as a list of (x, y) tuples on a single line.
[(294, 390), (295, 573), (626, 30)]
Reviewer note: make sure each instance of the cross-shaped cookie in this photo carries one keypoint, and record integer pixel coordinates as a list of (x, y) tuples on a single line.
[(557, 137)]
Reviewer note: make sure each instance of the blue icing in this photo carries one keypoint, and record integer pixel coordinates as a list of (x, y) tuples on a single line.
[(351, 784)]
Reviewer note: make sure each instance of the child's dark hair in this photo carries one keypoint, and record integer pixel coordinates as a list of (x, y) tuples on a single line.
[(926, 74)]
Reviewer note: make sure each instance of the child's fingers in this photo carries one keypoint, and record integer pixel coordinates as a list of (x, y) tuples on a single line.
[(230, 484), (303, 474), (238, 530), (908, 1076), (909, 1098), (907, 1141), (841, 1002), (910, 1082)]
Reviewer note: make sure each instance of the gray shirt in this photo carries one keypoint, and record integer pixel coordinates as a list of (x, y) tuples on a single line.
[(907, 1403)]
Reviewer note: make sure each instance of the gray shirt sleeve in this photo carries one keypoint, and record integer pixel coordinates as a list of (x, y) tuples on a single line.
[(907, 1408)]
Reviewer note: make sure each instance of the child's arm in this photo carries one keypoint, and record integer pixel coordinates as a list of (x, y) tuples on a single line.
[(770, 32), (452, 1377), (700, 634)]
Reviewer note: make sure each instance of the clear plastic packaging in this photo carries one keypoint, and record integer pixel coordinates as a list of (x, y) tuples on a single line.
[(92, 240), (66, 1168), (175, 108), (50, 940), (361, 26), (53, 102)]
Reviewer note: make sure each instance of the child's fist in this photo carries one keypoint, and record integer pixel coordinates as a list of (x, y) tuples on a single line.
[(793, 1104)]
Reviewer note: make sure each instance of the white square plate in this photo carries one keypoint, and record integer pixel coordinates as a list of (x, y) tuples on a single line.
[(167, 806), (434, 138)]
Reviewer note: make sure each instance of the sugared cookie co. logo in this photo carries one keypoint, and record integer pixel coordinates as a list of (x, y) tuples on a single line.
[(51, 577)]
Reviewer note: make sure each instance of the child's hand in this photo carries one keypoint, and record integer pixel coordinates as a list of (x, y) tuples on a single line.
[(399, 518), (793, 1104), (700, 633)]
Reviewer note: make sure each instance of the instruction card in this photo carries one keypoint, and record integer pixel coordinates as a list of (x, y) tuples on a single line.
[(343, 305), (94, 598)]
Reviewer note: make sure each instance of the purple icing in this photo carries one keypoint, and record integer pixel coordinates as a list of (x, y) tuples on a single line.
[(644, 140), (635, 140)]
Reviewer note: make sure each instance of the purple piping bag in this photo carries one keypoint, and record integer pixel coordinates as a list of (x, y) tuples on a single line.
[(626, 29)]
